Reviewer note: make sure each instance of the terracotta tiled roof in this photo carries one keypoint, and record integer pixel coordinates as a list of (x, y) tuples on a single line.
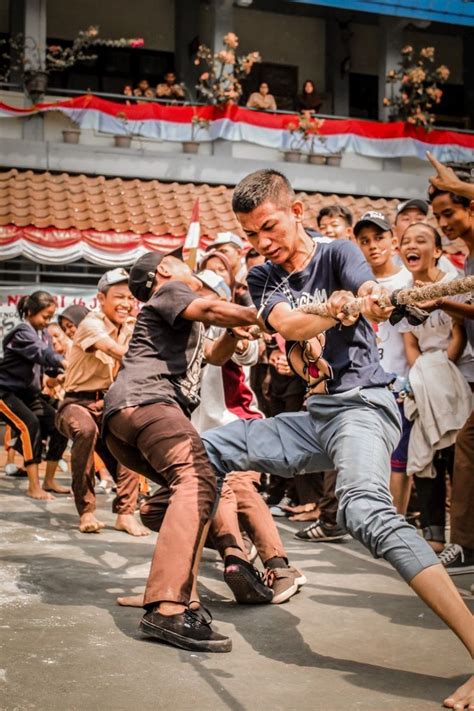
[(68, 201)]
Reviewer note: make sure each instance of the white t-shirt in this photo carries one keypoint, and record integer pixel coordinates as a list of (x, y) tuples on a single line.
[(435, 334), (389, 340)]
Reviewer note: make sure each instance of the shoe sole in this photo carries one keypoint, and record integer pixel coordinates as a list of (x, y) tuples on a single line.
[(326, 539), (244, 589), (466, 570), (177, 640), (289, 592)]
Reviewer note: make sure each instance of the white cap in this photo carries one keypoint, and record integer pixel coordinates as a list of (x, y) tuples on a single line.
[(114, 276), (226, 238)]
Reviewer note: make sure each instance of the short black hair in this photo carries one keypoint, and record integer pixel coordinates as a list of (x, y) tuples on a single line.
[(256, 188), (434, 192), (335, 211)]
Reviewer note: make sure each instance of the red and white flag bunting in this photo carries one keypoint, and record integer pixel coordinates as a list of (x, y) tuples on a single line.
[(235, 123)]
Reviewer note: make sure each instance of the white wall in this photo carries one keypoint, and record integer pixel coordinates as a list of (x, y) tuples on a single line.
[(151, 19), (284, 39)]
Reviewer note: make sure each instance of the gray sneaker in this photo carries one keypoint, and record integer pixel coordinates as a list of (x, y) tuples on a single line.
[(285, 582), (457, 560)]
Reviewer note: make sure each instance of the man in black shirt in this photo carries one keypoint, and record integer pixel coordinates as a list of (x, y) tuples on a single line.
[(146, 422)]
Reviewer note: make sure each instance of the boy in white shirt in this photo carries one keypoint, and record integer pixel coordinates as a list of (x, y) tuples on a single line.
[(378, 243)]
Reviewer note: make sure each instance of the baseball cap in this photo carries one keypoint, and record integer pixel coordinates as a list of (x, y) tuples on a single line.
[(214, 282), (113, 276), (142, 274), (226, 238), (372, 217), (416, 204)]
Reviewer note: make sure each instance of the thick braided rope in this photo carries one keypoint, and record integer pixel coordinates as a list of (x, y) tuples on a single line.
[(414, 295)]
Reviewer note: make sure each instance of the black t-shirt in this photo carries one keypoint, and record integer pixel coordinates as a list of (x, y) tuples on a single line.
[(349, 352), (163, 361)]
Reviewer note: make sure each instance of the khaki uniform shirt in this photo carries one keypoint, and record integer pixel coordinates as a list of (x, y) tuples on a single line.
[(90, 369)]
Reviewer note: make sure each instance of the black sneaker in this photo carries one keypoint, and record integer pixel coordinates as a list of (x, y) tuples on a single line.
[(188, 630), (317, 531), (246, 583), (457, 560)]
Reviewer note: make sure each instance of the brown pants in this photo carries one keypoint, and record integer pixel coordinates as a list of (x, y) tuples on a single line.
[(80, 421), (159, 441), (254, 515), (462, 496), (239, 503), (224, 531), (328, 501)]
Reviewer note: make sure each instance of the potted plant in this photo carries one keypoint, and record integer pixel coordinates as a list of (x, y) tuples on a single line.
[(306, 139), (220, 83), (24, 55), (123, 139), (334, 159), (414, 87), (197, 124), (71, 135)]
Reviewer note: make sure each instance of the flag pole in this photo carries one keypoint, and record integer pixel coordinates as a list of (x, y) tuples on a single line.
[(191, 243)]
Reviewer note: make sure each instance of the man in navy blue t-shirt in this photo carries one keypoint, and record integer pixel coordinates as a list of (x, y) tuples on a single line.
[(351, 423)]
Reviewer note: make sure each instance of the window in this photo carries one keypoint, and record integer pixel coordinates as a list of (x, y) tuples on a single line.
[(22, 270)]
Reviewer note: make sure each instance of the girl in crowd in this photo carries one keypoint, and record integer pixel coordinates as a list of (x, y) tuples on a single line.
[(28, 356), (70, 319), (420, 250), (309, 99)]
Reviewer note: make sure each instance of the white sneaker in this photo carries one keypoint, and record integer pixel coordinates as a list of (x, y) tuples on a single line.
[(11, 469), (277, 510)]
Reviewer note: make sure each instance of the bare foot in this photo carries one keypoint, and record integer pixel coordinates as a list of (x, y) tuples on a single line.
[(56, 488), (437, 546), (129, 524), (306, 516), (463, 698), (39, 494), (302, 508), (131, 600), (89, 524)]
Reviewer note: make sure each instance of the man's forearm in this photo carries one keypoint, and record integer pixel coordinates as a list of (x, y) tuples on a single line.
[(220, 313), (456, 308), (221, 350), (299, 326)]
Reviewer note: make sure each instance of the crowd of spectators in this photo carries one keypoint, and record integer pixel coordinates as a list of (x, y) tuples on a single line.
[(170, 90)]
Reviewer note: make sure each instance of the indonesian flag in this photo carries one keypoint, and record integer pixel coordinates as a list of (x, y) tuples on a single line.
[(191, 243)]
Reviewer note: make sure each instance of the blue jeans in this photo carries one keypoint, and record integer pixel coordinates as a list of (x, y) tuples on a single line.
[(353, 432)]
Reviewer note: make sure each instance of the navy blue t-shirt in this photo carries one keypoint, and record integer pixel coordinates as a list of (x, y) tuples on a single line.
[(350, 352)]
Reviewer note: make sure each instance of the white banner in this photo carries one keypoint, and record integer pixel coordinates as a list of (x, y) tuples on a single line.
[(64, 297)]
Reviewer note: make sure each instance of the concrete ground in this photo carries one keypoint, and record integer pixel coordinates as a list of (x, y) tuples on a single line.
[(355, 637)]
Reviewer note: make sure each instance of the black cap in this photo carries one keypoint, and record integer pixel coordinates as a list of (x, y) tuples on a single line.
[(142, 274), (416, 204), (373, 217)]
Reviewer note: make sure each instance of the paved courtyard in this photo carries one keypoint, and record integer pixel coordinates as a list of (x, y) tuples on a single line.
[(355, 637)]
